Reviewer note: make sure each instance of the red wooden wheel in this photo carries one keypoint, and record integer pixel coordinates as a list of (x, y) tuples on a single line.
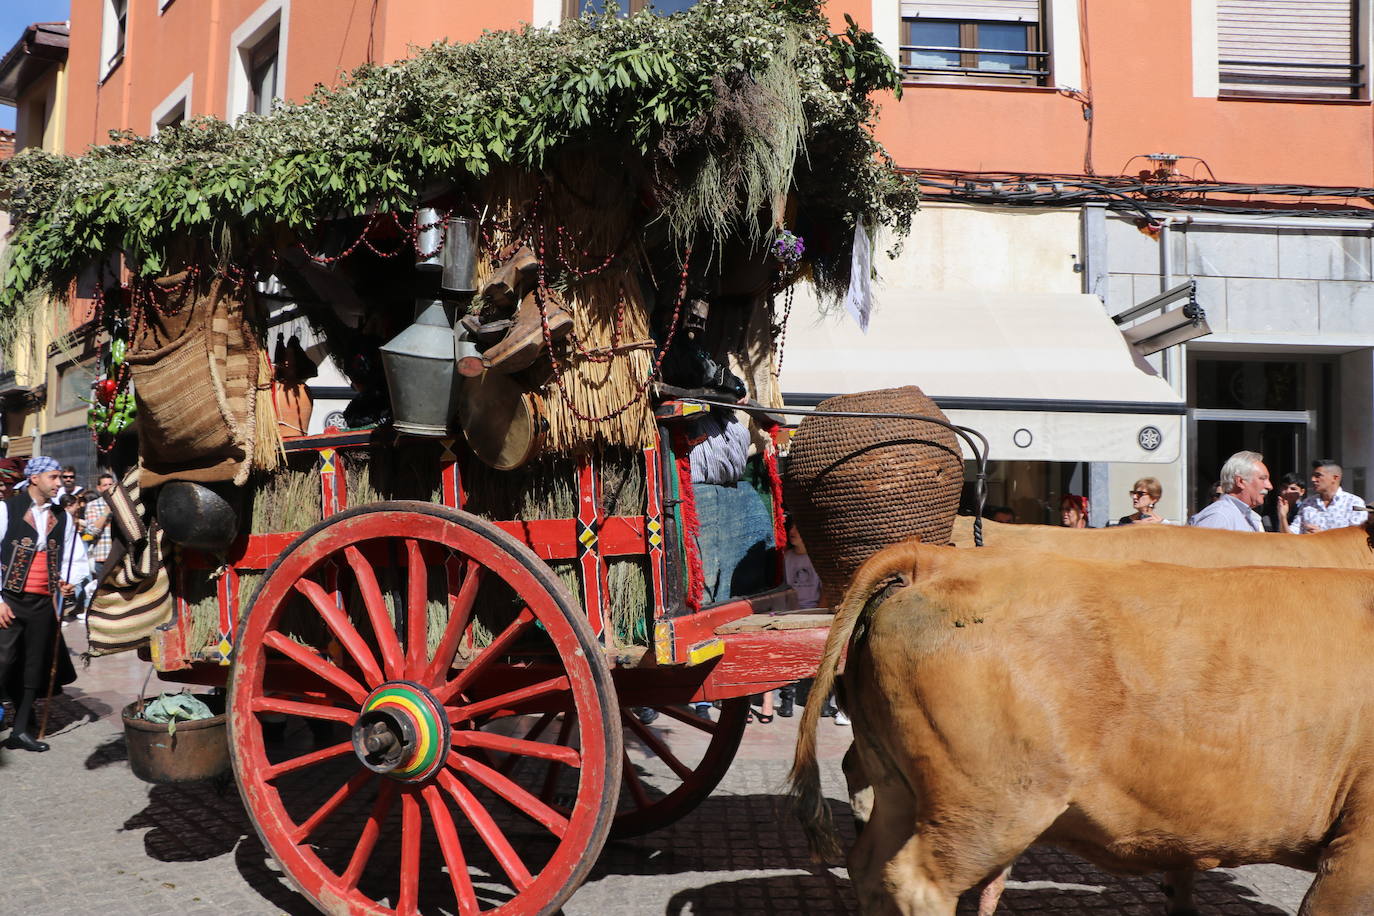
[(673, 763), (420, 630), (668, 767)]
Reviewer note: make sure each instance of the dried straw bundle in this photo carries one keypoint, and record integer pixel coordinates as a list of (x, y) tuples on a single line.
[(583, 214), (580, 414)]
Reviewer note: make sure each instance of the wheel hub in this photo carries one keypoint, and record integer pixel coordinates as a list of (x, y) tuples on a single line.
[(402, 732)]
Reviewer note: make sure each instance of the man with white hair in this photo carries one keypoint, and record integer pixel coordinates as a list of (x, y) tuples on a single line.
[(40, 556), (1246, 480), (1327, 506)]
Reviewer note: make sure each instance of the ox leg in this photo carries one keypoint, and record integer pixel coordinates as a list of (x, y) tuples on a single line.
[(889, 865), (1345, 874), (1178, 891), (990, 894), (896, 869), (860, 789)]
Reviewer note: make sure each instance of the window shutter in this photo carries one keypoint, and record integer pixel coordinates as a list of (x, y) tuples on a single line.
[(1027, 11), (1259, 42)]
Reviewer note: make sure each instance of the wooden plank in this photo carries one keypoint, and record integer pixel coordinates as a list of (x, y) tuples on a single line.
[(786, 620)]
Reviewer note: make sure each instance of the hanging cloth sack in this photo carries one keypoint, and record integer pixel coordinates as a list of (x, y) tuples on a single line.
[(134, 595), (195, 369)]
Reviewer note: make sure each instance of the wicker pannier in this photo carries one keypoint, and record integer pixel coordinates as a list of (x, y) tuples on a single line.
[(193, 370), (856, 485)]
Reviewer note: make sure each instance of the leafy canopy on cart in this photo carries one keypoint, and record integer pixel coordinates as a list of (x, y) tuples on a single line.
[(730, 104)]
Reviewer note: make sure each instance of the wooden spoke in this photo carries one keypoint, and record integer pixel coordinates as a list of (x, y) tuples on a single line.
[(331, 804), (660, 748), (693, 776), (316, 664), (565, 755), (637, 790), (488, 655), (305, 760), (453, 851), (533, 734), (343, 630), (459, 615), (372, 829), (509, 700), (382, 627), (519, 799), (687, 717), (307, 710), (408, 900), (564, 739), (491, 834), (417, 610)]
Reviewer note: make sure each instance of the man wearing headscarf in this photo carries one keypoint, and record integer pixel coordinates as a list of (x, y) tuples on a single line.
[(40, 555)]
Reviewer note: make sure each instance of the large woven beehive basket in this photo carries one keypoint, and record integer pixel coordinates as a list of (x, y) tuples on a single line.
[(857, 485)]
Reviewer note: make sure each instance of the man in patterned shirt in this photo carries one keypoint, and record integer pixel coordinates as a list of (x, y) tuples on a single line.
[(1327, 506), (98, 521)]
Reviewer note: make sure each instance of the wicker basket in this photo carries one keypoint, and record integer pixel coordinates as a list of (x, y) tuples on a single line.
[(856, 485)]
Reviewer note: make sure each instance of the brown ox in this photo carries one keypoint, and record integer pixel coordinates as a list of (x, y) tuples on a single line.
[(1144, 716), (1343, 548)]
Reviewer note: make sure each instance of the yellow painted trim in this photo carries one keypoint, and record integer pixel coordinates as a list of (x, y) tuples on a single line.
[(663, 643), (705, 651)]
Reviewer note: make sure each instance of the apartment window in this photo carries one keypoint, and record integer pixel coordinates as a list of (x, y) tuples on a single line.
[(996, 41), (1289, 48), (574, 8), (257, 62), (174, 116), (175, 108), (263, 74), (114, 29)]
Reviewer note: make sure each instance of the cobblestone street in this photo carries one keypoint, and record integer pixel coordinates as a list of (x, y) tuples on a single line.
[(82, 835)]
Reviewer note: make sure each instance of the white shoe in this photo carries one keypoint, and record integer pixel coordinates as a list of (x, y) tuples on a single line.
[(841, 718)]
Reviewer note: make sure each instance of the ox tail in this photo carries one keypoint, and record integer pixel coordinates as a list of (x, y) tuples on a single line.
[(808, 802)]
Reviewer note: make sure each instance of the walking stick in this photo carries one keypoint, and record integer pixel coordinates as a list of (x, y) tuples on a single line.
[(56, 640)]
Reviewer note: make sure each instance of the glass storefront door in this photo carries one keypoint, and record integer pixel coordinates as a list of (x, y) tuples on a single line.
[(1277, 405)]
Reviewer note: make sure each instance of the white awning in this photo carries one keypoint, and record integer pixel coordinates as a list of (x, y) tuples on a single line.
[(1046, 377)]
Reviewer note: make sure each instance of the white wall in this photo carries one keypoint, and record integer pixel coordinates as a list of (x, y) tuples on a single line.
[(986, 249)]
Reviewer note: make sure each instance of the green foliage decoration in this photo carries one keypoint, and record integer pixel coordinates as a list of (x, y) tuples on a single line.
[(729, 105)]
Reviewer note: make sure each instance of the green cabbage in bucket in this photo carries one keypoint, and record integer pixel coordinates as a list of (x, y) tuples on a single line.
[(171, 708)]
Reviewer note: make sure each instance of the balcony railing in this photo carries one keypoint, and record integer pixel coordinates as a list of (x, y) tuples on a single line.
[(909, 65)]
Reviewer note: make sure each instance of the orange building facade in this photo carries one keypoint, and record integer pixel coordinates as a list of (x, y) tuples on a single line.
[(1238, 135)]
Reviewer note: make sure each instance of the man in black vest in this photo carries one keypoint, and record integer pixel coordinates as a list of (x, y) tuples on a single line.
[(36, 540)]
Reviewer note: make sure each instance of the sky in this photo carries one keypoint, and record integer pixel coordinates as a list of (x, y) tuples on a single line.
[(14, 16)]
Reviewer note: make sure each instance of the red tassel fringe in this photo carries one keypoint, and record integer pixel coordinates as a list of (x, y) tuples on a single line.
[(691, 525)]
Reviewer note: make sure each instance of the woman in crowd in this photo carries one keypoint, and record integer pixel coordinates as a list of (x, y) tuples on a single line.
[(1073, 510), (1145, 496)]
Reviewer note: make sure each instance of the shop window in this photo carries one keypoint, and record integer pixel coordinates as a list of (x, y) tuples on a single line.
[(1303, 50), (997, 41)]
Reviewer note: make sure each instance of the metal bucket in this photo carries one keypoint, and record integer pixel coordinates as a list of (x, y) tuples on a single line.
[(431, 235), (460, 257), (420, 372), (198, 750)]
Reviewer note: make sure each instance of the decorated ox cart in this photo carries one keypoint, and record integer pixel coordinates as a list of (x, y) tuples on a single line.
[(443, 613)]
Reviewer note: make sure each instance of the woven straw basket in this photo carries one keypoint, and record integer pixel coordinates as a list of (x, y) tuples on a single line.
[(856, 485)]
